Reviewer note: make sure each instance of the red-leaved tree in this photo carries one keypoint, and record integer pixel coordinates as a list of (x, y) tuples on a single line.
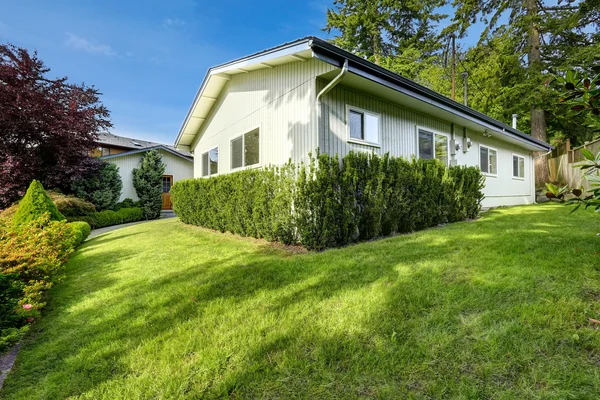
[(47, 126)]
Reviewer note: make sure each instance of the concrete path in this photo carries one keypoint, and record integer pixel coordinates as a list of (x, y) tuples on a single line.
[(100, 231), (6, 362)]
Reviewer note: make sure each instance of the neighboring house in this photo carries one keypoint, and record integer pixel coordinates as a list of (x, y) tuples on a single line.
[(285, 102), (126, 154)]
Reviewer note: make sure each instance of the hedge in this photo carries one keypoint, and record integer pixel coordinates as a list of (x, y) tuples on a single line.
[(105, 218), (81, 230), (330, 203)]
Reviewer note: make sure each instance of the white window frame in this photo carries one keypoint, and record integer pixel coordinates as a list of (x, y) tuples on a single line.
[(512, 167), (364, 112), (434, 132), (202, 166), (488, 160), (260, 147)]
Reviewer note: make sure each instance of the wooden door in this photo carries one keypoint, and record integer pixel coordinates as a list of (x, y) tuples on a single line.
[(167, 182)]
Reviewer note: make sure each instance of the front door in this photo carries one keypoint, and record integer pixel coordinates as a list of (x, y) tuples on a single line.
[(167, 182)]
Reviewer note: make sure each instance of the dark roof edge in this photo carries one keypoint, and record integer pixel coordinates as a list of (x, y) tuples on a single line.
[(145, 149), (336, 56)]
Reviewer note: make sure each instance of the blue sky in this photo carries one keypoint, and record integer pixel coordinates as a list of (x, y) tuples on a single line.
[(148, 58)]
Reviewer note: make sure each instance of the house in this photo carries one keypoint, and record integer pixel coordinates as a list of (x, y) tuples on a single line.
[(126, 153), (284, 102)]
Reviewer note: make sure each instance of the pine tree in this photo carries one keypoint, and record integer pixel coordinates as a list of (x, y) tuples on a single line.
[(147, 181)]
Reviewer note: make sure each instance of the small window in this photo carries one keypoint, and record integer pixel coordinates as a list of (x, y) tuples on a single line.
[(518, 167), (245, 150), (433, 145), (363, 126), (488, 160), (167, 182), (210, 162)]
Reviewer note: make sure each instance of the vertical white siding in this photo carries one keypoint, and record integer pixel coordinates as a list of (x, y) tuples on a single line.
[(399, 138), (174, 165), (279, 101)]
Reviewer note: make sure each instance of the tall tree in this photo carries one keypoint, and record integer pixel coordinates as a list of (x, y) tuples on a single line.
[(48, 126), (147, 181), (381, 29), (547, 31)]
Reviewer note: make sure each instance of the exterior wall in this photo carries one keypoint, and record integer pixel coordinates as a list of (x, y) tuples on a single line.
[(176, 166), (280, 101), (399, 138)]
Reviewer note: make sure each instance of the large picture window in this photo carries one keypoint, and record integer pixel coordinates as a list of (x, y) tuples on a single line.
[(518, 167), (245, 150), (363, 126), (433, 145), (210, 162), (488, 160)]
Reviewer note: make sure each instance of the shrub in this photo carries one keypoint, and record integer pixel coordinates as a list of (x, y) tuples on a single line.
[(127, 203), (102, 188), (329, 203), (106, 218), (34, 204), (32, 257), (147, 181), (71, 206), (81, 230)]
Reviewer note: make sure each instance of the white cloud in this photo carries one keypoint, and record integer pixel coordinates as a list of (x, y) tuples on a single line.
[(80, 43), (173, 23)]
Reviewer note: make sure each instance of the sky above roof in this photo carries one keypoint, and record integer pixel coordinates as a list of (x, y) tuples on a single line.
[(149, 57)]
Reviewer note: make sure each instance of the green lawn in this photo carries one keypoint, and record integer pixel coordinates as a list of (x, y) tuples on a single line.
[(496, 308)]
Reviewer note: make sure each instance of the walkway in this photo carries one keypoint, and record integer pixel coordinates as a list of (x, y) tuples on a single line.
[(100, 231)]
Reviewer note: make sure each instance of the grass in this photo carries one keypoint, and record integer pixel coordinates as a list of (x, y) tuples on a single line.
[(496, 308)]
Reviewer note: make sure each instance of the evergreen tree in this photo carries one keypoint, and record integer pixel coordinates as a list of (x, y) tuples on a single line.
[(386, 31), (548, 34), (101, 188), (147, 181), (34, 204)]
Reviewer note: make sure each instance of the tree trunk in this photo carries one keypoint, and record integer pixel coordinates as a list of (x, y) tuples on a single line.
[(538, 118)]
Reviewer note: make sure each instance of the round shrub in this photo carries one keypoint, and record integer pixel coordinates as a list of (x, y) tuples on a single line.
[(71, 206), (81, 230)]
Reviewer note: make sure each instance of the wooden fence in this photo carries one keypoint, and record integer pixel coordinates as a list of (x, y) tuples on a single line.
[(563, 163)]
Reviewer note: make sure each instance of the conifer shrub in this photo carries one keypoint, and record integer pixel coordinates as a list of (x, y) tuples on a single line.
[(331, 202), (34, 204), (147, 181)]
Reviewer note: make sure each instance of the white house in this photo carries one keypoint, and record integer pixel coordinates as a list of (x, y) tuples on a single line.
[(284, 102), (126, 153)]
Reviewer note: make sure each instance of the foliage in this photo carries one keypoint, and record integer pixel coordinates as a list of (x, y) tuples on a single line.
[(34, 204), (106, 218), (325, 204), (70, 206), (32, 258), (147, 181), (381, 30), (81, 230), (127, 203), (49, 126), (474, 310), (102, 187)]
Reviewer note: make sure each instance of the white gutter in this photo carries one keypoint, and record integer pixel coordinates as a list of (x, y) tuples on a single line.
[(326, 90), (333, 83)]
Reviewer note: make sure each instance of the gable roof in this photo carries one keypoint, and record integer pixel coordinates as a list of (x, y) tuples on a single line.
[(168, 149), (311, 46), (108, 139)]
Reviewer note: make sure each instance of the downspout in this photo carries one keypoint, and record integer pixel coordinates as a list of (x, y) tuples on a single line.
[(326, 90)]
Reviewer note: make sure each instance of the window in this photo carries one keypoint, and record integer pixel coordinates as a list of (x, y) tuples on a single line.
[(518, 167), (167, 181), (245, 150), (433, 145), (488, 160), (363, 126), (210, 162)]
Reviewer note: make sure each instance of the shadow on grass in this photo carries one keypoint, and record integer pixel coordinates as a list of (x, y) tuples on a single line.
[(471, 309)]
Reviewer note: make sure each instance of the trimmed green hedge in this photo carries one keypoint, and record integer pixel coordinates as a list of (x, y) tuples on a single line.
[(105, 218), (81, 230), (329, 203)]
